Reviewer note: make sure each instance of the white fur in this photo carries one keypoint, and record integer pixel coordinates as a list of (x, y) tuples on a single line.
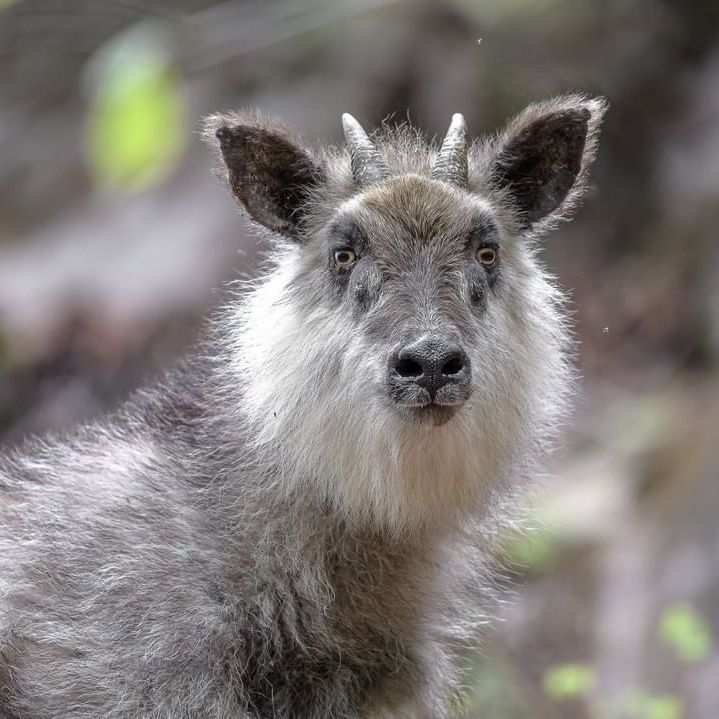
[(339, 432)]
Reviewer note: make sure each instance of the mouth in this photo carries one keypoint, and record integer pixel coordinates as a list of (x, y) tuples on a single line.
[(431, 414), (416, 405)]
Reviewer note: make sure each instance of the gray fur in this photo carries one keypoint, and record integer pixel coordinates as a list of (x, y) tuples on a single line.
[(263, 533)]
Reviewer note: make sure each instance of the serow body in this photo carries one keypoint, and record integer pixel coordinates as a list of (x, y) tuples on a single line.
[(296, 521)]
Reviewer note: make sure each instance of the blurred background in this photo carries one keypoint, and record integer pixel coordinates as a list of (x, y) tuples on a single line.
[(115, 240)]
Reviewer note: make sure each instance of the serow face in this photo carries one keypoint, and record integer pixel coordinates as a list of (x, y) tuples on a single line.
[(413, 266)]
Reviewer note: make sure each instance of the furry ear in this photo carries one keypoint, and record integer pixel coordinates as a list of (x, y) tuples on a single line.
[(541, 159), (267, 171)]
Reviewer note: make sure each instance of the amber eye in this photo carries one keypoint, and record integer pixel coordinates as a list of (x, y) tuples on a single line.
[(486, 256), (345, 258)]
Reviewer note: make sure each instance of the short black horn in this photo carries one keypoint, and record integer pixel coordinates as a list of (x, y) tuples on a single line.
[(451, 163), (368, 166)]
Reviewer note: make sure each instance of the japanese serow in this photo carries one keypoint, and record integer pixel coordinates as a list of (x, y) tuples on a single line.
[(295, 522)]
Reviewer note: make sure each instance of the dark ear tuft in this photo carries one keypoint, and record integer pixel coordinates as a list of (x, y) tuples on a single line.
[(541, 159), (268, 172)]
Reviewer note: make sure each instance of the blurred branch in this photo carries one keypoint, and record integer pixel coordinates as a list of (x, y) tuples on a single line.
[(233, 29)]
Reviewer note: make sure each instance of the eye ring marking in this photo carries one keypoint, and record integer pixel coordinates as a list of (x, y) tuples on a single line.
[(487, 256), (344, 258)]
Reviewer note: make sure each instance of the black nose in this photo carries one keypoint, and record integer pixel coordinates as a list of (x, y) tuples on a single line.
[(431, 363)]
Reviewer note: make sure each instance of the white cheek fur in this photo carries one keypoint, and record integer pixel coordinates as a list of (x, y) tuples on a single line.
[(332, 428)]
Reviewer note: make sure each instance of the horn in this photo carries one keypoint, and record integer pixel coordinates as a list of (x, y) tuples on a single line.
[(451, 163), (367, 163)]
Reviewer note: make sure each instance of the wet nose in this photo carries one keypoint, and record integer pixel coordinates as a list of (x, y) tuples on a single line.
[(431, 363)]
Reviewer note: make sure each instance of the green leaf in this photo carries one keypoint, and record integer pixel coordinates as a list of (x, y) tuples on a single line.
[(135, 127), (536, 548), (569, 681), (490, 689), (642, 705), (462, 704), (532, 550), (686, 632)]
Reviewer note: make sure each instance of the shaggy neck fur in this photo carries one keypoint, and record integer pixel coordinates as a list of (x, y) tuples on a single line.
[(262, 534)]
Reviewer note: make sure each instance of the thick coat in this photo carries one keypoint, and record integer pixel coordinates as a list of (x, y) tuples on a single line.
[(275, 528)]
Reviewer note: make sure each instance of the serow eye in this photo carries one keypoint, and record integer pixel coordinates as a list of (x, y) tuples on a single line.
[(345, 258), (486, 256)]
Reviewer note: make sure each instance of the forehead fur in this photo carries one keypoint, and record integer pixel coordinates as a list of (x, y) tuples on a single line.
[(421, 206), (409, 198), (409, 212)]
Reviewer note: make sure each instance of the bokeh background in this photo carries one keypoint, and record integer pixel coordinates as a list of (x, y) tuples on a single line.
[(114, 240)]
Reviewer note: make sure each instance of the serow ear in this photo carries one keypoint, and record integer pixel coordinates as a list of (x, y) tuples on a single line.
[(543, 156), (268, 174)]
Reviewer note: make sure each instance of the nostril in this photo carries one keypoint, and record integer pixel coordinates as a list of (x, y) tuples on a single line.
[(453, 366), (408, 368)]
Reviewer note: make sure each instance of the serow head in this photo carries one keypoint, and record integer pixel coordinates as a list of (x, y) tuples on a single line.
[(406, 280)]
